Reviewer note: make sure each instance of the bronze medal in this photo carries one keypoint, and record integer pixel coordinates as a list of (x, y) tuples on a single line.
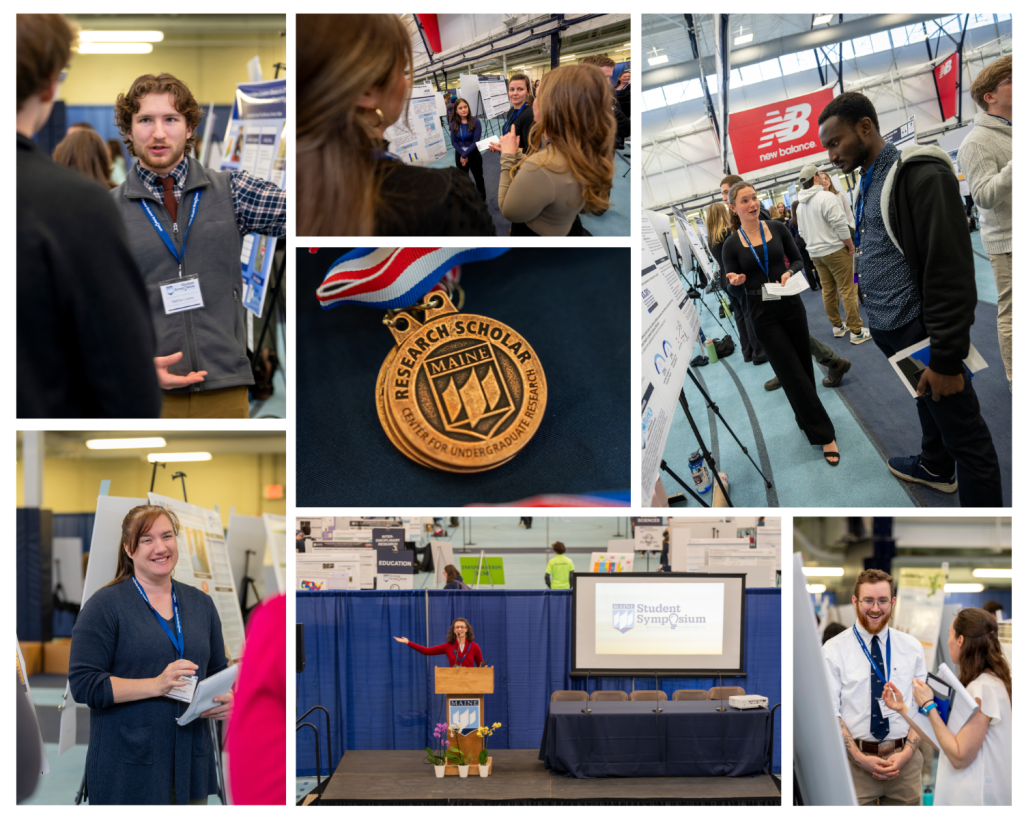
[(463, 392)]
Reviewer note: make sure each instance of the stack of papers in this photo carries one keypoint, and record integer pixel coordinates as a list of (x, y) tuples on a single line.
[(215, 686)]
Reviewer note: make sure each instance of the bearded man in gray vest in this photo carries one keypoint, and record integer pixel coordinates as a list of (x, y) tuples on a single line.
[(185, 226)]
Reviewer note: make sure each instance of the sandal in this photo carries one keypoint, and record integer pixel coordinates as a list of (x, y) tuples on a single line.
[(829, 455)]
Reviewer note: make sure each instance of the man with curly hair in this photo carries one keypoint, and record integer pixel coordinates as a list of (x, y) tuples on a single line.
[(186, 224)]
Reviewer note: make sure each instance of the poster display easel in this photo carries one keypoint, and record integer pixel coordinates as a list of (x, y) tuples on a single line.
[(255, 142), (203, 562)]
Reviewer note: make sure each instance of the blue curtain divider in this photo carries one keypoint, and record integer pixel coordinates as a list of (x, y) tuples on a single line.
[(380, 693)]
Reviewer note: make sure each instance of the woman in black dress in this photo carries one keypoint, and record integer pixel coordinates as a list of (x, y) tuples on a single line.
[(753, 255)]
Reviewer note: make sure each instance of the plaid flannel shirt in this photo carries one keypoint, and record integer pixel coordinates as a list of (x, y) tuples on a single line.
[(260, 206)]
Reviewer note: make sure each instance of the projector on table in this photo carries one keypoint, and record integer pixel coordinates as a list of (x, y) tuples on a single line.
[(748, 701)]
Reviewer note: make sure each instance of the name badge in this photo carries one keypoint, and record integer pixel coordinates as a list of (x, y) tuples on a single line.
[(856, 264), (766, 296), (185, 693), (887, 712), (181, 294)]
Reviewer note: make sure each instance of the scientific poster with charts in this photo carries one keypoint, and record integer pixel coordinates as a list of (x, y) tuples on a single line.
[(277, 530), (669, 327), (203, 562), (918, 608), (416, 137), (255, 142), (494, 96)]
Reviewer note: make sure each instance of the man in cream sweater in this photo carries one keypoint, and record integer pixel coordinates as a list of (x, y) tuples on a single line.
[(986, 159), (824, 227)]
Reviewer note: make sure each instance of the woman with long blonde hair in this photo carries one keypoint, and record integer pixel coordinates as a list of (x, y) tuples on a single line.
[(719, 229), (354, 76), (571, 162)]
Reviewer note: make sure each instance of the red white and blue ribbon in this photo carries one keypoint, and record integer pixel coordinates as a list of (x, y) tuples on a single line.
[(390, 278)]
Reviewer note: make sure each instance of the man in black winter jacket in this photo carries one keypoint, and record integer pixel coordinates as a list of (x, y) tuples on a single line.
[(85, 337), (916, 269)]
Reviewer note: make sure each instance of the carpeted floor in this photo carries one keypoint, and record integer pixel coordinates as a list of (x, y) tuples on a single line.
[(872, 412)]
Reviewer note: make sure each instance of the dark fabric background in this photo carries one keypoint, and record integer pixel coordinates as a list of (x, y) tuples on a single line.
[(572, 306)]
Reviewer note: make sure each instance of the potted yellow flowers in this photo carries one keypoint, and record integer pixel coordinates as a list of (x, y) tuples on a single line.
[(484, 732)]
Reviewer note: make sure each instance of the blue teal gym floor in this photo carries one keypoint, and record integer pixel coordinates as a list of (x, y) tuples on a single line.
[(615, 222), (873, 414)]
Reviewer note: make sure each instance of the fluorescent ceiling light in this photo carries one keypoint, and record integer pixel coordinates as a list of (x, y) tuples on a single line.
[(178, 456), (623, 47), (816, 588), (120, 36), (1000, 573), (821, 19), (963, 587), (822, 571), (661, 59), (125, 443), (115, 48), (745, 38)]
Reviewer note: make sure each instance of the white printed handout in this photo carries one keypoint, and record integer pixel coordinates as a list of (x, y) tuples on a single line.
[(796, 284), (911, 361)]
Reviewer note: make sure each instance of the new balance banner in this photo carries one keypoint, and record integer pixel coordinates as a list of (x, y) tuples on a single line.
[(779, 132), (946, 74)]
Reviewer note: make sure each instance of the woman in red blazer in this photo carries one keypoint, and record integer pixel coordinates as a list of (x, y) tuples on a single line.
[(460, 648)]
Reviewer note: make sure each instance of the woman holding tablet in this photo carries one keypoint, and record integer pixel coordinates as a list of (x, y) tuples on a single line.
[(568, 166), (465, 135), (132, 642), (754, 255), (520, 114), (975, 763), (459, 647)]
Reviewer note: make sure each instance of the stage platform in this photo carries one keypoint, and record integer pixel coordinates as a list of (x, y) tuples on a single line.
[(519, 778)]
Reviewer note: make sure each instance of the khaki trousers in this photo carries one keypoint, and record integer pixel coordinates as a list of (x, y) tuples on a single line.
[(1002, 266), (905, 789), (836, 273), (230, 402)]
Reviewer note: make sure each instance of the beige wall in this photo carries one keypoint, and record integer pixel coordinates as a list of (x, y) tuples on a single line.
[(71, 485), (211, 72)]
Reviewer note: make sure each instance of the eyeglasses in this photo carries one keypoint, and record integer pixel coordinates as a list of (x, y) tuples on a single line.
[(870, 601), (1004, 82)]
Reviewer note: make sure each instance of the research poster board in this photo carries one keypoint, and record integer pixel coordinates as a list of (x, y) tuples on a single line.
[(247, 533), (416, 138), (611, 562), (276, 528), (394, 561), (203, 562), (919, 601), (255, 142), (324, 569), (669, 327), (493, 96)]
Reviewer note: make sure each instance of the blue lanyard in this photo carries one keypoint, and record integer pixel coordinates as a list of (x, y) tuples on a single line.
[(462, 132), (874, 665), (513, 119), (1001, 119), (179, 641), (163, 233), (764, 267), (865, 183), (460, 657)]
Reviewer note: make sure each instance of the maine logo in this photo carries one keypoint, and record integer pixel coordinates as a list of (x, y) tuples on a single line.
[(469, 388), (623, 616), (464, 713)]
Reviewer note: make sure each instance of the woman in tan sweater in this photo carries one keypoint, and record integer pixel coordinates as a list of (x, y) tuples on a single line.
[(571, 161)]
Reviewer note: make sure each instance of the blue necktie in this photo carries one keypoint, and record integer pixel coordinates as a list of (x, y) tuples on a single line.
[(879, 726)]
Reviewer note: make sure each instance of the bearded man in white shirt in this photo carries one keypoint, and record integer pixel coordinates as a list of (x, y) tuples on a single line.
[(884, 758)]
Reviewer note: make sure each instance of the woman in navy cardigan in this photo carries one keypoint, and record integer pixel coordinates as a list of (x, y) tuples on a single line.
[(460, 648), (133, 640), (465, 135)]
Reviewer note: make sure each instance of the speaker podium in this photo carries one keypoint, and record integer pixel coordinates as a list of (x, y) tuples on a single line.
[(464, 690)]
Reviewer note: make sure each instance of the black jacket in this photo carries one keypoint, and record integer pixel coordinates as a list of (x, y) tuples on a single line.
[(85, 335), (419, 201), (926, 218)]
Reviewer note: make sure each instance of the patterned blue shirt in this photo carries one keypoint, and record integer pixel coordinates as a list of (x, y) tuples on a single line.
[(890, 296), (260, 206)]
